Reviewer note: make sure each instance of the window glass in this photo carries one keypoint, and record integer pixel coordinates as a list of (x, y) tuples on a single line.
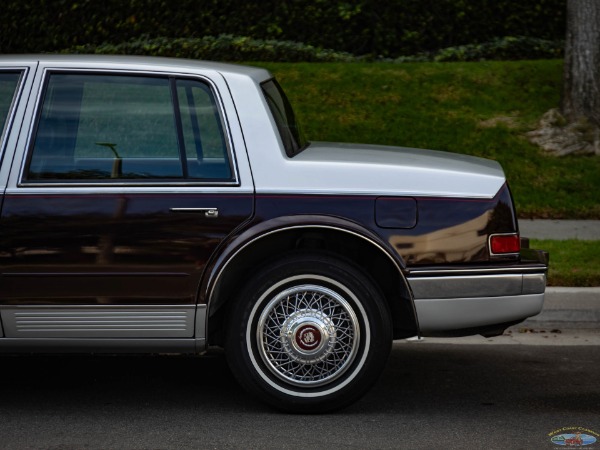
[(106, 127), (205, 147), (289, 130), (8, 86)]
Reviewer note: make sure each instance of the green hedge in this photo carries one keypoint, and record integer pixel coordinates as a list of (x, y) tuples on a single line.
[(240, 49), (361, 27), (500, 49), (221, 48)]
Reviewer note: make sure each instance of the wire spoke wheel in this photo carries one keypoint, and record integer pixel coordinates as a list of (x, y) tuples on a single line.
[(308, 335)]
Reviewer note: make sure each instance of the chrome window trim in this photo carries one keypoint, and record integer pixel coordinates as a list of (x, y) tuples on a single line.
[(23, 72), (134, 183), (44, 77), (122, 189)]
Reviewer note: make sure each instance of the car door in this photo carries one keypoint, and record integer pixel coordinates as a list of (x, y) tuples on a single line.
[(128, 183), (12, 81)]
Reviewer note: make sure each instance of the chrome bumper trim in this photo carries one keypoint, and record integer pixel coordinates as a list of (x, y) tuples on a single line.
[(534, 284), (425, 272), (446, 303), (473, 286), (443, 315)]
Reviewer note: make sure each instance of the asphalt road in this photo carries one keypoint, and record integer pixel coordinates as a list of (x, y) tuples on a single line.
[(431, 396)]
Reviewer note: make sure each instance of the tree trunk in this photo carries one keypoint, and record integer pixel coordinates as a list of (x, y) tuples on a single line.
[(581, 84)]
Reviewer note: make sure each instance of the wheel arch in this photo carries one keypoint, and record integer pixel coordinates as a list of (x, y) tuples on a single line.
[(259, 244)]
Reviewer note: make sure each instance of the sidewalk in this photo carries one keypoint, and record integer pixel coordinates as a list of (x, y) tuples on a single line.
[(568, 308), (560, 230)]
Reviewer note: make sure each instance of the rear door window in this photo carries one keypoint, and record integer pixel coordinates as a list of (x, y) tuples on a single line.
[(127, 127), (202, 131)]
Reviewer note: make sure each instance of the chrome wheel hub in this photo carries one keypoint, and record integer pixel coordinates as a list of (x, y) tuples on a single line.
[(308, 335)]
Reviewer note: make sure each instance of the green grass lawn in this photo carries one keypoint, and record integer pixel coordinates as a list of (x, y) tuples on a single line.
[(572, 262), (480, 109)]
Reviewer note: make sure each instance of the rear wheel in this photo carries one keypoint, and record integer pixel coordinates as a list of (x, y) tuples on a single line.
[(310, 333)]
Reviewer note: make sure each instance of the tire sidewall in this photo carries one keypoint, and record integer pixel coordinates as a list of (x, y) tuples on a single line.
[(355, 288)]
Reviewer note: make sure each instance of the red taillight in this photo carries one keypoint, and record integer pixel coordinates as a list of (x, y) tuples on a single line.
[(505, 243)]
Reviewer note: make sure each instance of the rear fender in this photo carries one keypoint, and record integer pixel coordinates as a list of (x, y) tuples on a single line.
[(259, 242)]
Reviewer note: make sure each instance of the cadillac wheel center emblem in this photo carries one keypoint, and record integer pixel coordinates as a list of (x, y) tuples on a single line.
[(308, 337)]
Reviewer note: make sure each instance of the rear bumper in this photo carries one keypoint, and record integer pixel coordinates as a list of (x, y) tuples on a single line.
[(474, 315), (471, 301)]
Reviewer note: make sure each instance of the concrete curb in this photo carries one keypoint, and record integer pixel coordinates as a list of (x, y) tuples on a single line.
[(568, 308)]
